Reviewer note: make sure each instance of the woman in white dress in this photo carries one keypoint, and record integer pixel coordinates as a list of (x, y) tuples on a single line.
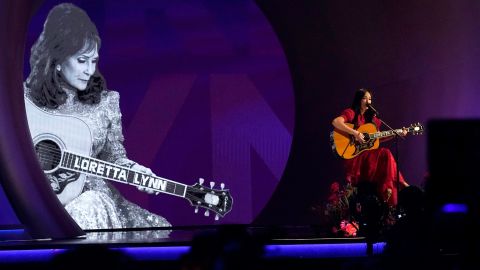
[(65, 80)]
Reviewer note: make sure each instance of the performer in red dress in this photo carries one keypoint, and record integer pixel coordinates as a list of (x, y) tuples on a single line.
[(375, 166)]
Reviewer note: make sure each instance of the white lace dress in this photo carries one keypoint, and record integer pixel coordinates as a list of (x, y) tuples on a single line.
[(100, 205)]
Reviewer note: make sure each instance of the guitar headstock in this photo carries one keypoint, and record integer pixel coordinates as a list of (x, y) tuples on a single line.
[(217, 200), (416, 129)]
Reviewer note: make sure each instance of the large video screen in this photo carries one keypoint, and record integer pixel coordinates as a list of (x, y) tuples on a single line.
[(158, 113)]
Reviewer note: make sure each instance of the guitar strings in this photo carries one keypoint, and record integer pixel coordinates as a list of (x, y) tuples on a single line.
[(57, 150), (44, 157), (51, 154), (56, 158), (47, 146), (47, 154), (49, 157)]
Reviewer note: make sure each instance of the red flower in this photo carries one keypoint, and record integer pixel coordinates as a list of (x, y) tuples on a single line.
[(350, 228), (335, 187)]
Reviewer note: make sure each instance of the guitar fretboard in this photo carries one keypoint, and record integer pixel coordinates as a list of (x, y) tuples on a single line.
[(113, 172), (383, 134)]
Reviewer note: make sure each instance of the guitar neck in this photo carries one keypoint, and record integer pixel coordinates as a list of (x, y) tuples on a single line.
[(113, 172), (388, 133)]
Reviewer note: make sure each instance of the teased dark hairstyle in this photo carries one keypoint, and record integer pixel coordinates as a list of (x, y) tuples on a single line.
[(66, 31), (356, 106)]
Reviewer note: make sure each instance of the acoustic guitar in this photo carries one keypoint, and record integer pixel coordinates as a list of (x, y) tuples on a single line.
[(345, 146), (64, 142)]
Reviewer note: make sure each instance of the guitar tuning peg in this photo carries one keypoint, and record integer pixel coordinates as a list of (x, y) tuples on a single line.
[(201, 180), (222, 185), (217, 217), (207, 213), (196, 210), (212, 184)]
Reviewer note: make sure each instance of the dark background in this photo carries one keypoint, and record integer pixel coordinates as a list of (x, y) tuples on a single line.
[(419, 57)]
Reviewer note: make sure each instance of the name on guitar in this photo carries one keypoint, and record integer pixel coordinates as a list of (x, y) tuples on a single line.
[(118, 173)]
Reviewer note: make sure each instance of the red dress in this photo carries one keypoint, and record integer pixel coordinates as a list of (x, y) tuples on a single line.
[(377, 166)]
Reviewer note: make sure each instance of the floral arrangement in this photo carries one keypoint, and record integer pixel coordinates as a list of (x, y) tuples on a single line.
[(338, 210), (344, 214)]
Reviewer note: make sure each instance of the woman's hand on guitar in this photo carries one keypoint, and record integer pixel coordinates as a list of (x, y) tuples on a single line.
[(145, 170), (404, 132), (358, 136)]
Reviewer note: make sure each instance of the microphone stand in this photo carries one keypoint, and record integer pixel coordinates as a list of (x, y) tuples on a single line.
[(396, 157), (397, 135)]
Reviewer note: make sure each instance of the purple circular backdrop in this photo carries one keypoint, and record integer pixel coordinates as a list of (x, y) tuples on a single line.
[(205, 92)]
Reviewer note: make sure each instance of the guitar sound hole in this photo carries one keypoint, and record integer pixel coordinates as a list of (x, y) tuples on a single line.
[(48, 154)]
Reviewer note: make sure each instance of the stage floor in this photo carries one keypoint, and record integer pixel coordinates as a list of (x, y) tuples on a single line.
[(175, 248), (278, 241), (175, 236)]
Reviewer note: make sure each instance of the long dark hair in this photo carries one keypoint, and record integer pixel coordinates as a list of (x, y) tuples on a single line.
[(66, 31), (356, 106)]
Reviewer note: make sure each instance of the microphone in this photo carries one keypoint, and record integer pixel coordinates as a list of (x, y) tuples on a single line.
[(373, 109)]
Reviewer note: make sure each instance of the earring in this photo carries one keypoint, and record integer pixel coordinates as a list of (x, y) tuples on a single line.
[(59, 67)]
